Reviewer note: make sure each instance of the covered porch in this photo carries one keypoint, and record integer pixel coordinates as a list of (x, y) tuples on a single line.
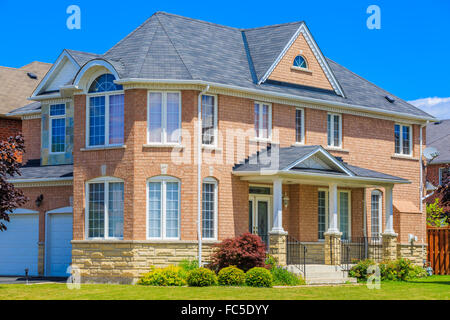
[(310, 207)]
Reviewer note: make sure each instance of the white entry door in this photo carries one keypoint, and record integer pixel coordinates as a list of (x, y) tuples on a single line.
[(58, 246), (19, 244)]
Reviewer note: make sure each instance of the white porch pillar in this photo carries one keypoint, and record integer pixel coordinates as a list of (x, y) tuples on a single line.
[(333, 208), (277, 207), (389, 228)]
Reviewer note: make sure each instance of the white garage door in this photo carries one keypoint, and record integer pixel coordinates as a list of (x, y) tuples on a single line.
[(19, 245), (59, 248)]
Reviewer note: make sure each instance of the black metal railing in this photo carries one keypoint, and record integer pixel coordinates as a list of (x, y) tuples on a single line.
[(296, 254), (359, 248)]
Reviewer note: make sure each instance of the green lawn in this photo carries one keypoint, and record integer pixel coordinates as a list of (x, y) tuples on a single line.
[(436, 287)]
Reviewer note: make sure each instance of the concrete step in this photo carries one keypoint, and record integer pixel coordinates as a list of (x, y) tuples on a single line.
[(330, 281), (323, 274)]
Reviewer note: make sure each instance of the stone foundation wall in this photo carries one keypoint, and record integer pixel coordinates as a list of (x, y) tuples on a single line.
[(315, 253), (416, 252), (124, 261)]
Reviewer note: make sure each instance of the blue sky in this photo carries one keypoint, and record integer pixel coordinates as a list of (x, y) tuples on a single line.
[(408, 56)]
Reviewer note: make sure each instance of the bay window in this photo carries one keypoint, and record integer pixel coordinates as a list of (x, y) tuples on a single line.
[(164, 117), (105, 203), (163, 208), (57, 128), (105, 116), (403, 139), (263, 120)]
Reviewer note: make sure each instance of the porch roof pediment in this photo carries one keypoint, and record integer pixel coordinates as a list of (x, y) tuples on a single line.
[(307, 160)]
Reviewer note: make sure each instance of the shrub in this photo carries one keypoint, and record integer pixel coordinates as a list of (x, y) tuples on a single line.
[(244, 252), (231, 276), (201, 277), (283, 277), (169, 276), (187, 265), (398, 270), (271, 262), (259, 277)]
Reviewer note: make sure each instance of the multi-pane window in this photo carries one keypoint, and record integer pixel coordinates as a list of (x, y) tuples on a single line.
[(300, 62), (57, 128), (105, 113), (299, 126), (322, 214), (209, 209), (105, 200), (334, 130), (403, 141), (344, 214), (209, 120), (163, 208), (375, 214), (443, 173), (164, 117), (263, 120)]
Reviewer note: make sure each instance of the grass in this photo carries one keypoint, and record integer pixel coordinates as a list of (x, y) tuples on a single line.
[(431, 288)]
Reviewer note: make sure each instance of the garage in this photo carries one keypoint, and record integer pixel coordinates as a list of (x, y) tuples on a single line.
[(58, 243), (19, 244)]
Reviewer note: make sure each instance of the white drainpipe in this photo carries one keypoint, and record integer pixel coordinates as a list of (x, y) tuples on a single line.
[(421, 167), (199, 174)]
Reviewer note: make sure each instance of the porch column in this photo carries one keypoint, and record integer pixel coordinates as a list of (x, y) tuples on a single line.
[(389, 236), (277, 206), (277, 236), (332, 245)]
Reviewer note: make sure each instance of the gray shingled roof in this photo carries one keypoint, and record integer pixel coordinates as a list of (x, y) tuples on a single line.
[(33, 171), (438, 136), (34, 107), (289, 155), (171, 47)]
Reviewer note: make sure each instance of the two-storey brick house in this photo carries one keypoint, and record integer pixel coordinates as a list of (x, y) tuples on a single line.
[(248, 129)]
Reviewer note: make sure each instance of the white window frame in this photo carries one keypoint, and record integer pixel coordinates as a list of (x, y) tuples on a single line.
[(401, 139), (107, 95), (332, 130), (302, 124), (163, 141), (349, 231), (51, 118), (105, 181), (163, 180), (380, 212), (216, 131), (269, 124), (327, 213), (214, 182)]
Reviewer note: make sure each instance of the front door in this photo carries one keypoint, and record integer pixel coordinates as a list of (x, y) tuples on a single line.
[(259, 222)]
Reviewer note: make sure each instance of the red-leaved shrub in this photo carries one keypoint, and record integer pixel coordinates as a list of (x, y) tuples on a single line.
[(245, 252)]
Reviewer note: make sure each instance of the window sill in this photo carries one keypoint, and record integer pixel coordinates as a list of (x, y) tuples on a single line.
[(103, 148), (328, 148), (404, 157), (211, 148), (163, 145), (299, 144), (301, 69), (260, 140)]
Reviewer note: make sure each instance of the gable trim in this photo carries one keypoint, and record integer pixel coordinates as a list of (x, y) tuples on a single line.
[(303, 29), (326, 154), (44, 81)]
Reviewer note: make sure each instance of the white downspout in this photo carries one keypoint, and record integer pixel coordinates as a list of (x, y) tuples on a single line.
[(421, 166), (199, 174)]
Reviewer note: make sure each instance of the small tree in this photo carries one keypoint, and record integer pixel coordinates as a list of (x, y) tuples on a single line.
[(443, 193), (10, 197), (435, 215)]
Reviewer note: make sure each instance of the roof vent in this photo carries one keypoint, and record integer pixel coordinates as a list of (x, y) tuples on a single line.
[(32, 75), (437, 123), (390, 99)]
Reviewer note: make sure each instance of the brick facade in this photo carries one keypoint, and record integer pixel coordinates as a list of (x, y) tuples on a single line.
[(9, 127)]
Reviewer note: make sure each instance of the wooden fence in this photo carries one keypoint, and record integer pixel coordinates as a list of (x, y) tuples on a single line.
[(439, 249)]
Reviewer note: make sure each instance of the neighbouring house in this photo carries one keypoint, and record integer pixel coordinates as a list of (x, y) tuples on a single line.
[(438, 137), (255, 129), (16, 85)]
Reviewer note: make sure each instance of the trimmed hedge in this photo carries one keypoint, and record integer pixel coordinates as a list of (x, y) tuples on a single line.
[(259, 277), (169, 276), (231, 276), (201, 277)]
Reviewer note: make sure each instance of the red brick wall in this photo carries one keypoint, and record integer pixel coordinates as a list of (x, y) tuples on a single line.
[(31, 130), (9, 127)]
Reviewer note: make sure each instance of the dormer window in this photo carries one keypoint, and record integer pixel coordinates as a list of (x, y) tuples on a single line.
[(105, 113), (300, 62)]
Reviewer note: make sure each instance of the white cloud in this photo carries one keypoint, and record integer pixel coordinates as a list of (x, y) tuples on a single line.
[(438, 107)]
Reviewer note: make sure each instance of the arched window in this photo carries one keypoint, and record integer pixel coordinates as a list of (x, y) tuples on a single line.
[(376, 213), (105, 113), (104, 83), (300, 62), (209, 208), (163, 205), (104, 208)]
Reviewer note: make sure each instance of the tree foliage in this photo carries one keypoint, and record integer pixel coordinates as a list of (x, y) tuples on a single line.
[(10, 197)]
